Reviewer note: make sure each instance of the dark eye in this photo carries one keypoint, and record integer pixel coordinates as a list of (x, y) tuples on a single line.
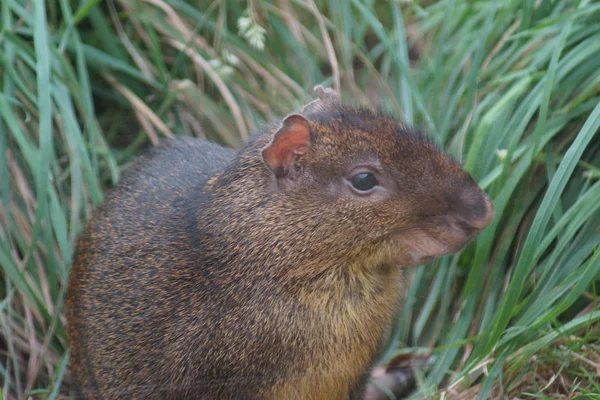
[(364, 181)]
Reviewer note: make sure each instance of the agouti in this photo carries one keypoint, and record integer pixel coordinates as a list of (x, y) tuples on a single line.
[(273, 272)]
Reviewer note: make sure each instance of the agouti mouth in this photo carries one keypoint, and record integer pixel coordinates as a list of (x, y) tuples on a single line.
[(420, 245)]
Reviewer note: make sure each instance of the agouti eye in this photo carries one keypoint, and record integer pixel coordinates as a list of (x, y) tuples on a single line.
[(364, 181)]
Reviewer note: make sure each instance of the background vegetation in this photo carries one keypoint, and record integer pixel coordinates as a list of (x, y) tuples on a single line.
[(511, 88)]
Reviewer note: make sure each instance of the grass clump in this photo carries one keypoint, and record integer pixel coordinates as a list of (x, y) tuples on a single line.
[(510, 88)]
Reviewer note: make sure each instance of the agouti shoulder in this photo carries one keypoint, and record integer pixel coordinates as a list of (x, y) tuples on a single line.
[(272, 272)]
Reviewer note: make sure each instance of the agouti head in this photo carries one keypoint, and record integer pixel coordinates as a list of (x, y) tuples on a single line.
[(348, 185)]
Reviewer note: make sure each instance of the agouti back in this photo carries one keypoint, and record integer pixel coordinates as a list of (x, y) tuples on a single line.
[(269, 273)]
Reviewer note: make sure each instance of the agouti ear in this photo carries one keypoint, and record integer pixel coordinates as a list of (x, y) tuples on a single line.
[(290, 140), (327, 98)]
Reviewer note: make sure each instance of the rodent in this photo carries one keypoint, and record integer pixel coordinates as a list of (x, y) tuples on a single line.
[(272, 272)]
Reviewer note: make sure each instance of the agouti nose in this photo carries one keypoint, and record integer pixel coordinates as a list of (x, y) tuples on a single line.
[(475, 210), (487, 215)]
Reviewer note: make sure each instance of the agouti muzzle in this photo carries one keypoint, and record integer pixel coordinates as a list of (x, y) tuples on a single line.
[(272, 272)]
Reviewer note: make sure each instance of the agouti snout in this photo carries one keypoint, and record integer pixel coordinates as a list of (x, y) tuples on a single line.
[(272, 272), (460, 213)]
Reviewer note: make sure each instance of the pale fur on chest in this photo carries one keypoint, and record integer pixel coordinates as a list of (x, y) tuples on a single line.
[(345, 335)]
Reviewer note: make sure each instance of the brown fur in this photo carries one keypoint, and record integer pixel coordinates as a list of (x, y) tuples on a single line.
[(205, 275)]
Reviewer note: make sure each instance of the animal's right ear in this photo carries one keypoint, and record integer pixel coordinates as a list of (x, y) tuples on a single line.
[(326, 99), (291, 140)]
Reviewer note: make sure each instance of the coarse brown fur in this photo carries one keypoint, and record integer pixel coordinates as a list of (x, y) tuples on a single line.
[(204, 274)]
